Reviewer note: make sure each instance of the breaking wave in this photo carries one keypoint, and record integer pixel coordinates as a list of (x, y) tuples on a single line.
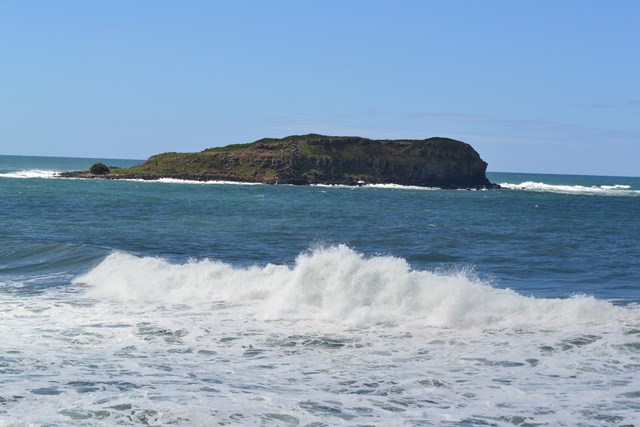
[(188, 181), (605, 190), (339, 285), (385, 186), (31, 173)]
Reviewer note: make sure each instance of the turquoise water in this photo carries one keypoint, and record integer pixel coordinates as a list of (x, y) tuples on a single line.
[(130, 302)]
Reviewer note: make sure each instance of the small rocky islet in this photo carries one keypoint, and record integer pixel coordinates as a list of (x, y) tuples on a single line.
[(318, 159)]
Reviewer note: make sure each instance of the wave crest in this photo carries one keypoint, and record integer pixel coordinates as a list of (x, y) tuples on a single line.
[(339, 285), (606, 190), (31, 173)]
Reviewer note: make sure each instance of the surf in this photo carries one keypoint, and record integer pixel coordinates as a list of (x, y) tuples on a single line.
[(30, 173), (339, 285), (596, 190)]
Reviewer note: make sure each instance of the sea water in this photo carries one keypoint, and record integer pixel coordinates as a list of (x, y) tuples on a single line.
[(198, 304)]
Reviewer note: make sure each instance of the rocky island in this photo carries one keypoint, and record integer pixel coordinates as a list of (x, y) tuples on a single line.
[(318, 159)]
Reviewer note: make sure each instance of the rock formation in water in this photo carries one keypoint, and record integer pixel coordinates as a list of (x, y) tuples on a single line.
[(318, 159)]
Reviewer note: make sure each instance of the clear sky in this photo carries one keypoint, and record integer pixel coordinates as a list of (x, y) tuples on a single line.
[(533, 85)]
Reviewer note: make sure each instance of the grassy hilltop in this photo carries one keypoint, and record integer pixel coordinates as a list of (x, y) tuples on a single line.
[(319, 159)]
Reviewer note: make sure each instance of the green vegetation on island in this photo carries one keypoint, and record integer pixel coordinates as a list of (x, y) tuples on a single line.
[(319, 159), (99, 169)]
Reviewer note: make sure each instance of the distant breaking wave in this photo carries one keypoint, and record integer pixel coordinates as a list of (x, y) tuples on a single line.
[(339, 285), (35, 173), (32, 173), (56, 174), (387, 186), (605, 190)]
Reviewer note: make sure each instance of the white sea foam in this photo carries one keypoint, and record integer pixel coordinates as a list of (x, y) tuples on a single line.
[(386, 186), (184, 181), (401, 187), (341, 286), (144, 341), (213, 182), (615, 187), (31, 173), (607, 190)]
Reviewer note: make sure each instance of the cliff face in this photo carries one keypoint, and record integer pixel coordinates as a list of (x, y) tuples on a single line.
[(311, 159)]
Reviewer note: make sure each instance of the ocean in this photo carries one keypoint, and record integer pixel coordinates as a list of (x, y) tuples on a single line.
[(200, 304)]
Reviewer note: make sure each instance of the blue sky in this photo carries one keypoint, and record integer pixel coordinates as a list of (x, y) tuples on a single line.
[(534, 86)]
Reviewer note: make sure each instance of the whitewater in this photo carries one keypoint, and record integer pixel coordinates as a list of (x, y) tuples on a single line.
[(172, 303)]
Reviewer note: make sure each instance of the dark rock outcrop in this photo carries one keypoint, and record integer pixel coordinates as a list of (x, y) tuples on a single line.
[(318, 159)]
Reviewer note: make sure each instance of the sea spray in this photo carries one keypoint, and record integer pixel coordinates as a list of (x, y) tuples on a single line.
[(31, 173), (339, 285), (596, 190)]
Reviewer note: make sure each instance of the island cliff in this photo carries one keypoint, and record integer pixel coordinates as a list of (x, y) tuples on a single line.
[(318, 159)]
